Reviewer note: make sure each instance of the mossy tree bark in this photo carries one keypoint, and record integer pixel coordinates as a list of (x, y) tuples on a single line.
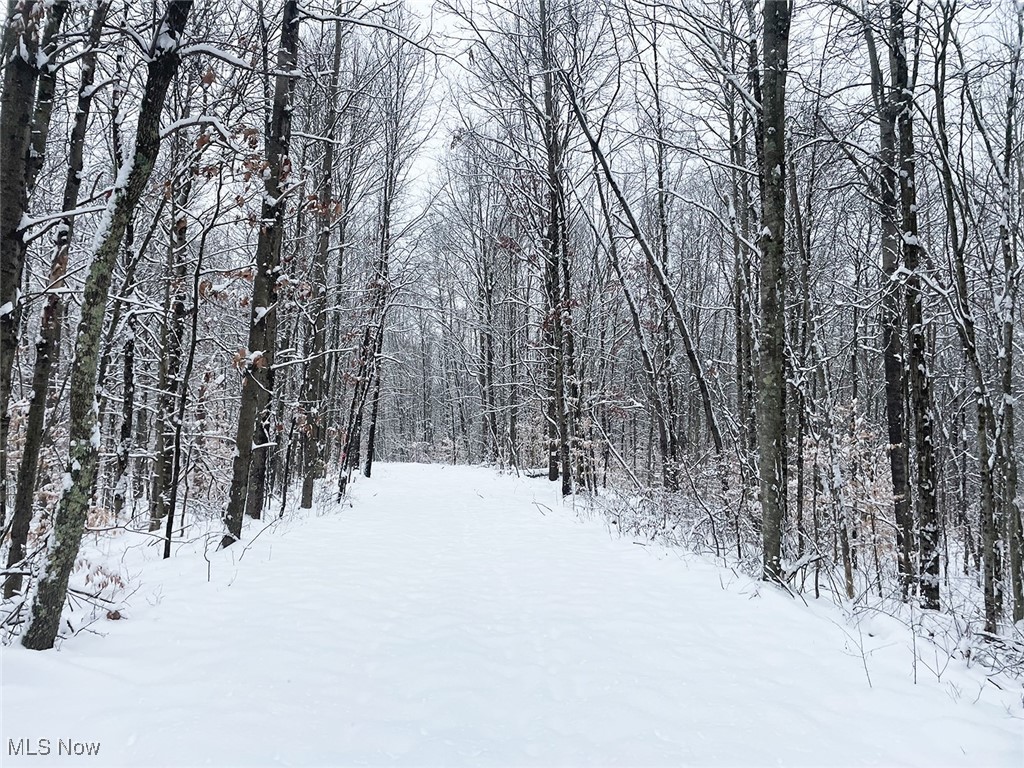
[(69, 524), (48, 341)]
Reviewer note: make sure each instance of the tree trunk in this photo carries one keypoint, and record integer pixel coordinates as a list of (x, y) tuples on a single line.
[(24, 59), (371, 430), (313, 388), (48, 341), (257, 374), (771, 394), (1011, 284), (917, 361), (172, 338), (83, 431), (892, 319)]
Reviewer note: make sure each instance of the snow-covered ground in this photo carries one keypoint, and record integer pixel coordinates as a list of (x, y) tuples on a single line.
[(453, 616)]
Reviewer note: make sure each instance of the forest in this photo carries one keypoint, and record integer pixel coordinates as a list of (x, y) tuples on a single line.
[(743, 274)]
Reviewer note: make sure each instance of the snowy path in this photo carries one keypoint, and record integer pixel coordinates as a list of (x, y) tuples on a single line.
[(447, 619)]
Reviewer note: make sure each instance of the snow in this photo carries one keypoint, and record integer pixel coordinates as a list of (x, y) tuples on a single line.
[(120, 184), (165, 42), (454, 616), (219, 53)]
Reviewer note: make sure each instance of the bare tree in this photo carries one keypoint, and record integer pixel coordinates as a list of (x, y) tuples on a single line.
[(84, 433), (771, 392), (258, 366)]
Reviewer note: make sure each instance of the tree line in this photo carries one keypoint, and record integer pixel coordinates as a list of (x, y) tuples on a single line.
[(746, 258)]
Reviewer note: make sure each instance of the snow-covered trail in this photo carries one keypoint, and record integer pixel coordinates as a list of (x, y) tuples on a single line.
[(453, 616)]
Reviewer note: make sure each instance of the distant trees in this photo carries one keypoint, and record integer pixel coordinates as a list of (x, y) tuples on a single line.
[(721, 116), (976, 208), (398, 93), (520, 90)]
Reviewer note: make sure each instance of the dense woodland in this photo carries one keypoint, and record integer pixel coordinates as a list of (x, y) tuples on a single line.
[(746, 271)]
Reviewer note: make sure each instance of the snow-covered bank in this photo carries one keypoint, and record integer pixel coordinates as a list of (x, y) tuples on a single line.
[(453, 616)]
